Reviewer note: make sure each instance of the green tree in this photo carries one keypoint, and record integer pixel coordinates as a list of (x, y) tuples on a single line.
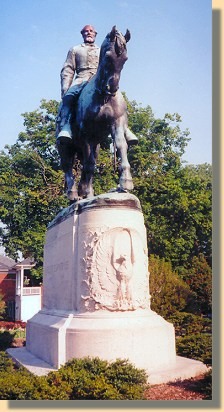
[(180, 224), (176, 199), (169, 293), (31, 185), (199, 278), (106, 174), (197, 184)]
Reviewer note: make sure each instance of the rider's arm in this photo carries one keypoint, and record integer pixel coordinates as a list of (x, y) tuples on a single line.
[(68, 72)]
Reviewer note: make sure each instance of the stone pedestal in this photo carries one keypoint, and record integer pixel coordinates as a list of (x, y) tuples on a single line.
[(96, 298)]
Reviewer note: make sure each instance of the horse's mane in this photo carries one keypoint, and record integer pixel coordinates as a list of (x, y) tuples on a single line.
[(118, 43)]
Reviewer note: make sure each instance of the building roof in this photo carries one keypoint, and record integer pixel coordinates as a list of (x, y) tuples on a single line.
[(6, 263), (26, 263)]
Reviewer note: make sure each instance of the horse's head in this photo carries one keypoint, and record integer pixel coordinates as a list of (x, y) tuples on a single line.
[(113, 55)]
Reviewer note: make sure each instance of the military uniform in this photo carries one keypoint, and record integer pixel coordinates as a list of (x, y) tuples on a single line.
[(80, 65)]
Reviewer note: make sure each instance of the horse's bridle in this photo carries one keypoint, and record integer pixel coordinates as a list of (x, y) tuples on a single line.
[(106, 95), (105, 92)]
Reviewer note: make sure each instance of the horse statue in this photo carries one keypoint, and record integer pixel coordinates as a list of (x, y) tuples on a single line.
[(101, 111)]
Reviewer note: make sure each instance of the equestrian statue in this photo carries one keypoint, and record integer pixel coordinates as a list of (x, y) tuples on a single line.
[(92, 109)]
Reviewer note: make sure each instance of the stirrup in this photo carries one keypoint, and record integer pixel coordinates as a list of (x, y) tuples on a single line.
[(65, 131), (131, 139)]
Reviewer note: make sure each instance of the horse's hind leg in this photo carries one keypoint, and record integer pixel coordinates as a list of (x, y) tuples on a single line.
[(85, 188), (71, 191), (125, 180), (66, 152)]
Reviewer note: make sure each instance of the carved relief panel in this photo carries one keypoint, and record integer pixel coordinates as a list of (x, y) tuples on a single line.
[(114, 267)]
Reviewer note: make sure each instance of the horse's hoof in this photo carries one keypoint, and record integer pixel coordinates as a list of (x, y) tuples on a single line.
[(84, 192), (114, 189), (72, 195), (120, 190), (126, 185)]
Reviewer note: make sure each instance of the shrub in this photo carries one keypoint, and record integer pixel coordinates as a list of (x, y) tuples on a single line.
[(97, 379), (16, 385), (11, 338), (45, 389), (91, 379), (6, 363), (127, 379), (205, 385), (187, 323), (169, 292), (6, 339), (198, 346)]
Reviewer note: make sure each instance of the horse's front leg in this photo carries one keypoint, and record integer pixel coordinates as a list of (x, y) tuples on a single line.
[(90, 153), (125, 180), (71, 190), (66, 152)]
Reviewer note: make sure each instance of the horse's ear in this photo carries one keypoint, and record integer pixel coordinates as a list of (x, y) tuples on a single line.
[(113, 33), (127, 35)]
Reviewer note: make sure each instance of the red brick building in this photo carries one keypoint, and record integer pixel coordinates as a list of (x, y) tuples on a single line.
[(8, 283)]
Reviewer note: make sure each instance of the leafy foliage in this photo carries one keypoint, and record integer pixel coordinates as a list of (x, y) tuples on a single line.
[(176, 200), (31, 185), (78, 379), (169, 292), (19, 385), (12, 325), (205, 385), (186, 323), (6, 339), (6, 363), (174, 299), (97, 379), (106, 174), (199, 278), (11, 332), (196, 346)]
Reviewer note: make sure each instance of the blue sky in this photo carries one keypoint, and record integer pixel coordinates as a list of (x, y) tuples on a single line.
[(169, 65)]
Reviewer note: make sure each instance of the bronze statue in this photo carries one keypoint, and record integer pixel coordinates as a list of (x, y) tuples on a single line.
[(80, 65), (92, 109)]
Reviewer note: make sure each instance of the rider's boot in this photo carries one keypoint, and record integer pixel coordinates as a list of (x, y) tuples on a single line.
[(65, 132), (130, 137)]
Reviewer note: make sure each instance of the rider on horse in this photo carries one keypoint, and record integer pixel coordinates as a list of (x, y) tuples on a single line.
[(84, 73), (80, 65)]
